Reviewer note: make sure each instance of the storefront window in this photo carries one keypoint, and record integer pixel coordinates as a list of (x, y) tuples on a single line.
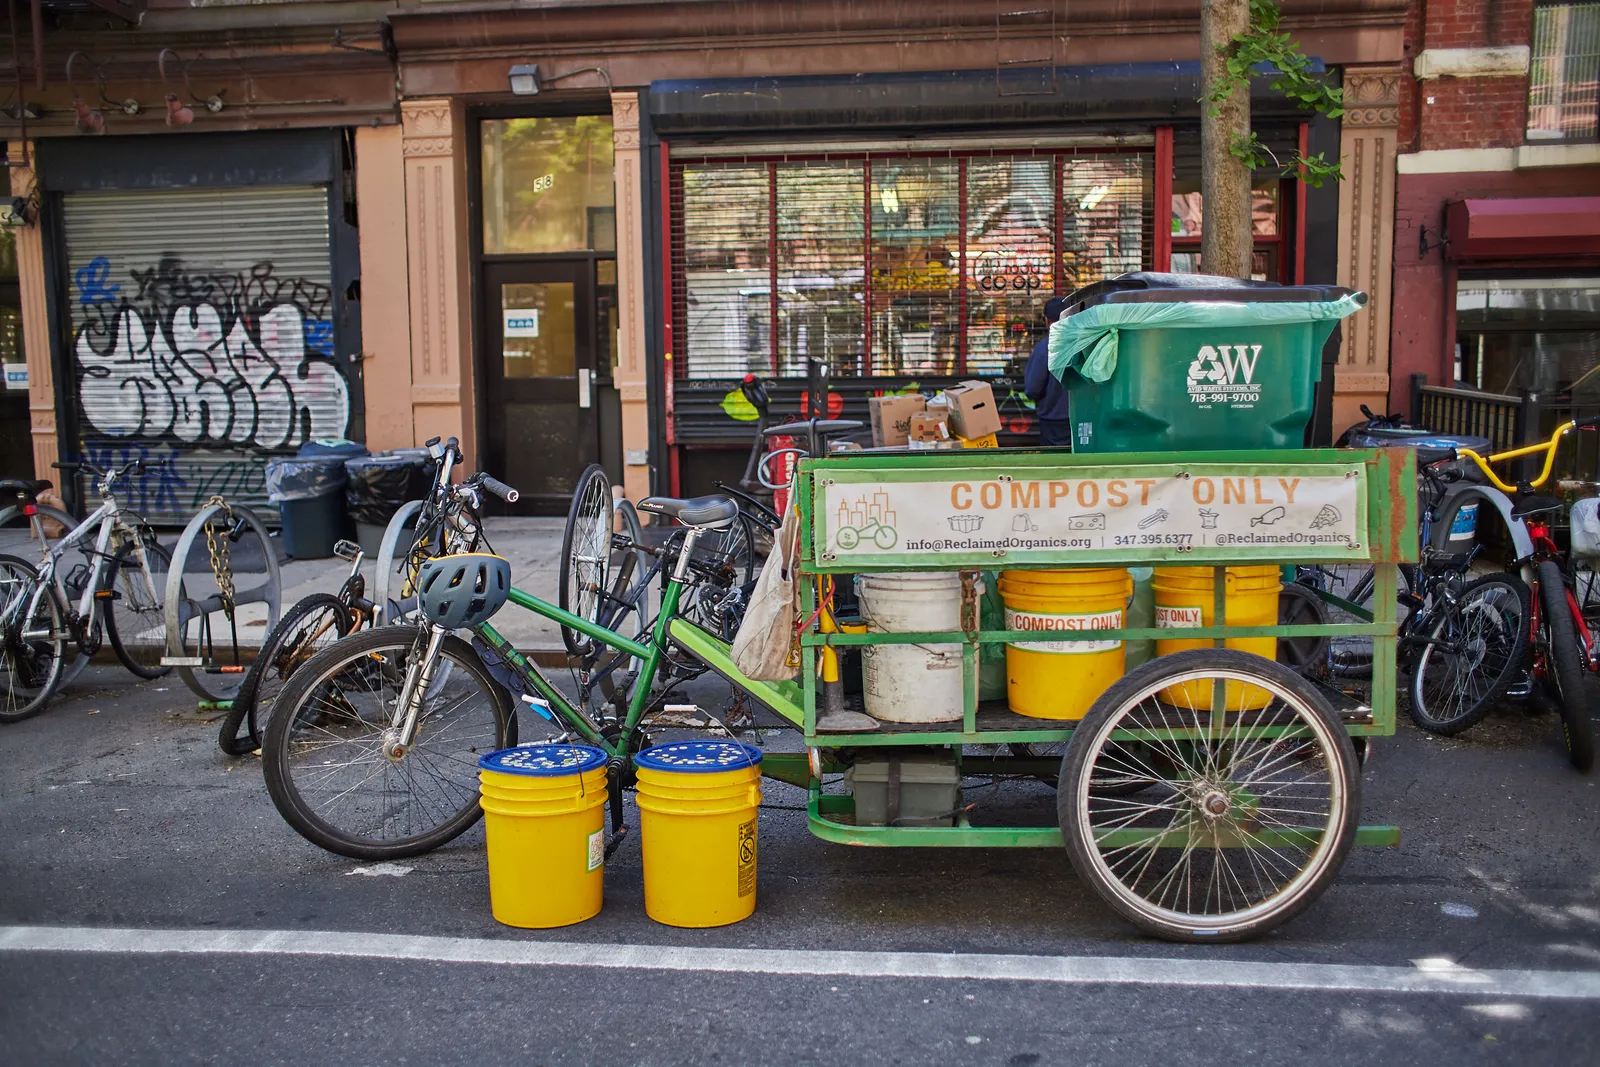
[(1563, 102), (950, 258), (819, 266), (547, 185), (722, 281), (1266, 226), (916, 241), (1539, 334)]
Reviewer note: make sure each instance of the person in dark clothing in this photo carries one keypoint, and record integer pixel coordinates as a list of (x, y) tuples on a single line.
[(1048, 395)]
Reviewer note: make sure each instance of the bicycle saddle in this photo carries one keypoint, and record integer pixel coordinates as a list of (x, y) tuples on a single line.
[(22, 488), (1533, 505), (710, 512)]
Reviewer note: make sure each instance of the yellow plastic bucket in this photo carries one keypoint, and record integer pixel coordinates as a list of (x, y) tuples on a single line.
[(1186, 598), (697, 827), (544, 817), (1061, 679)]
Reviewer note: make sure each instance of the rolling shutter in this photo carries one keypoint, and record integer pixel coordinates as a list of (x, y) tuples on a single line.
[(202, 337)]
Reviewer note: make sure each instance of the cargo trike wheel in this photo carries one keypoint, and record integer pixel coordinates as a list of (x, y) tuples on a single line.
[(1248, 814)]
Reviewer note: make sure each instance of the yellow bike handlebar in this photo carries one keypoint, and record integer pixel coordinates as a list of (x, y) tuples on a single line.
[(1548, 448)]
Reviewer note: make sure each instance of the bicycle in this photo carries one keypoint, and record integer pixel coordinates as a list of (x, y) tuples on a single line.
[(1563, 646), (120, 597), (317, 620)]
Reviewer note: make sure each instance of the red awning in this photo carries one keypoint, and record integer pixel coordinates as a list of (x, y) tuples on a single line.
[(1524, 227)]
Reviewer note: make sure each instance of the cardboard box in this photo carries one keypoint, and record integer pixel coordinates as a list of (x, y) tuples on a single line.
[(988, 440), (973, 413), (929, 426), (891, 418)]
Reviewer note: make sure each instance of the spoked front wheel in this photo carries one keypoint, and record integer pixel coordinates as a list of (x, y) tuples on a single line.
[(1249, 813), (136, 623), (1470, 655), (314, 623), (1563, 657), (586, 556), (334, 764), (32, 641)]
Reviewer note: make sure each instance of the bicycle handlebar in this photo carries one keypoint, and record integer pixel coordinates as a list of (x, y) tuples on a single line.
[(499, 488), (1548, 448)]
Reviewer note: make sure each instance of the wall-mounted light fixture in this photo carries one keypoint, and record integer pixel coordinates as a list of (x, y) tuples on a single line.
[(20, 210), (89, 119), (526, 80), (179, 113)]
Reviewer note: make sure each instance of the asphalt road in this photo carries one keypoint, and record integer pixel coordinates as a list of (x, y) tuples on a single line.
[(1475, 941)]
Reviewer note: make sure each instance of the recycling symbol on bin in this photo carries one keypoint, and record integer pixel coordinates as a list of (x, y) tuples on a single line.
[(1207, 367)]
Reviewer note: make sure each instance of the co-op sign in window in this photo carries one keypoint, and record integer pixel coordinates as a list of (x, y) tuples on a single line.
[(520, 322), (1204, 506)]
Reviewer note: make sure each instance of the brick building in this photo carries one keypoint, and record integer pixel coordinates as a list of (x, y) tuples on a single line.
[(1497, 201)]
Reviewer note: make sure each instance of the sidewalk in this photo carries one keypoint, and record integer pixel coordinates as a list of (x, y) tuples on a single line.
[(533, 545)]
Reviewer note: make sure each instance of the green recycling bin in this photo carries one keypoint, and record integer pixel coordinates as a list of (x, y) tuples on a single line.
[(1174, 362)]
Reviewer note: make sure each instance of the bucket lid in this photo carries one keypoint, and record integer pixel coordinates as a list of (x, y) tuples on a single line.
[(911, 580), (699, 757), (548, 761)]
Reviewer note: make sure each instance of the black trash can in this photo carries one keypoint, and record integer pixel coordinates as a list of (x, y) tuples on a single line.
[(308, 492), (378, 486)]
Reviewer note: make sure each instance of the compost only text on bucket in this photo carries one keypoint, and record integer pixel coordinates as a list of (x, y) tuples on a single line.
[(1115, 492)]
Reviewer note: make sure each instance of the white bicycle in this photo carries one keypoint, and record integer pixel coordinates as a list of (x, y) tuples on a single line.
[(53, 610)]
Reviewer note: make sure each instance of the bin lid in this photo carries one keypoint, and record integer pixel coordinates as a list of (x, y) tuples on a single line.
[(544, 761), (699, 757), (1153, 287)]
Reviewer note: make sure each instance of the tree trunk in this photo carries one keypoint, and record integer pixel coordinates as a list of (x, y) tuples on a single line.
[(1224, 180)]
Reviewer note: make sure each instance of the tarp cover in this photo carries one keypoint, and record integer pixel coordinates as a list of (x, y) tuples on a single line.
[(1087, 342)]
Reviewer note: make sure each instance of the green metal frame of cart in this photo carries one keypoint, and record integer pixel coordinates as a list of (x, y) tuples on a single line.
[(1382, 531)]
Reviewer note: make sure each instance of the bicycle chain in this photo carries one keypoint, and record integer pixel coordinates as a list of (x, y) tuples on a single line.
[(221, 555)]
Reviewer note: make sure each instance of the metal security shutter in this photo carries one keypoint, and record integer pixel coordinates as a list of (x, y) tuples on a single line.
[(202, 336)]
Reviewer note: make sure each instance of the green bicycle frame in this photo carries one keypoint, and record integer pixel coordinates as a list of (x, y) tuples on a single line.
[(651, 653)]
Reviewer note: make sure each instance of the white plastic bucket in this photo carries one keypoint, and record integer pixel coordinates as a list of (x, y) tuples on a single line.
[(911, 683)]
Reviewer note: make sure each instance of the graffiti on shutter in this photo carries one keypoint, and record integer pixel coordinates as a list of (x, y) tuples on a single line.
[(203, 360)]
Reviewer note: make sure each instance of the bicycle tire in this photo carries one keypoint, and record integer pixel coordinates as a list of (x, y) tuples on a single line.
[(1491, 631), (1208, 796), (285, 650), (140, 637), (585, 556), (26, 696), (1564, 666), (1299, 606), (319, 700)]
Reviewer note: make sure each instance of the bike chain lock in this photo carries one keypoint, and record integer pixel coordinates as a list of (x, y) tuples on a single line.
[(221, 556)]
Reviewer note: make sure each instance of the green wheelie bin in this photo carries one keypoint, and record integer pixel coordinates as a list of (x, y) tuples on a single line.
[(1182, 362)]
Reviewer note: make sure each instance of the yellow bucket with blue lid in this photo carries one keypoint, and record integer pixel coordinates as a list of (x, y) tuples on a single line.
[(698, 802), (544, 818)]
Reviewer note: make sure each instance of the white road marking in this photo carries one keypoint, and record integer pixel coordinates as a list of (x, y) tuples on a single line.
[(1199, 970)]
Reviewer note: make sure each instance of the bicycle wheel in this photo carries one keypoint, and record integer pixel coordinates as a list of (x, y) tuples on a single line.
[(1244, 825), (1114, 782), (1299, 606), (136, 623), (32, 641), (1469, 656), (1564, 658), (311, 625), (328, 757), (586, 556)]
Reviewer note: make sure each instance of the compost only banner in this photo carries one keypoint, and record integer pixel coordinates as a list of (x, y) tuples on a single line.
[(1212, 509)]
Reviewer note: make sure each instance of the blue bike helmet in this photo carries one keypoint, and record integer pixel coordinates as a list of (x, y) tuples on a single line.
[(461, 591)]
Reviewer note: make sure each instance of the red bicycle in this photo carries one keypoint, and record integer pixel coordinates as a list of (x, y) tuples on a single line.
[(1562, 644)]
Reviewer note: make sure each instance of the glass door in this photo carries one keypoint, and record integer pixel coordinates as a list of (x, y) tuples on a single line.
[(540, 380)]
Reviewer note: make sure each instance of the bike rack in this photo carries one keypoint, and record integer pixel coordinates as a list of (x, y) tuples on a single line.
[(197, 670), (386, 572)]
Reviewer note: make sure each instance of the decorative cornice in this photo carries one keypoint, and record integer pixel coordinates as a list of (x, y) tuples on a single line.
[(426, 118), (625, 119), (426, 146)]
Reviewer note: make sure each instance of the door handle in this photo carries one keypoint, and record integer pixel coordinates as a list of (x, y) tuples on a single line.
[(583, 387)]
